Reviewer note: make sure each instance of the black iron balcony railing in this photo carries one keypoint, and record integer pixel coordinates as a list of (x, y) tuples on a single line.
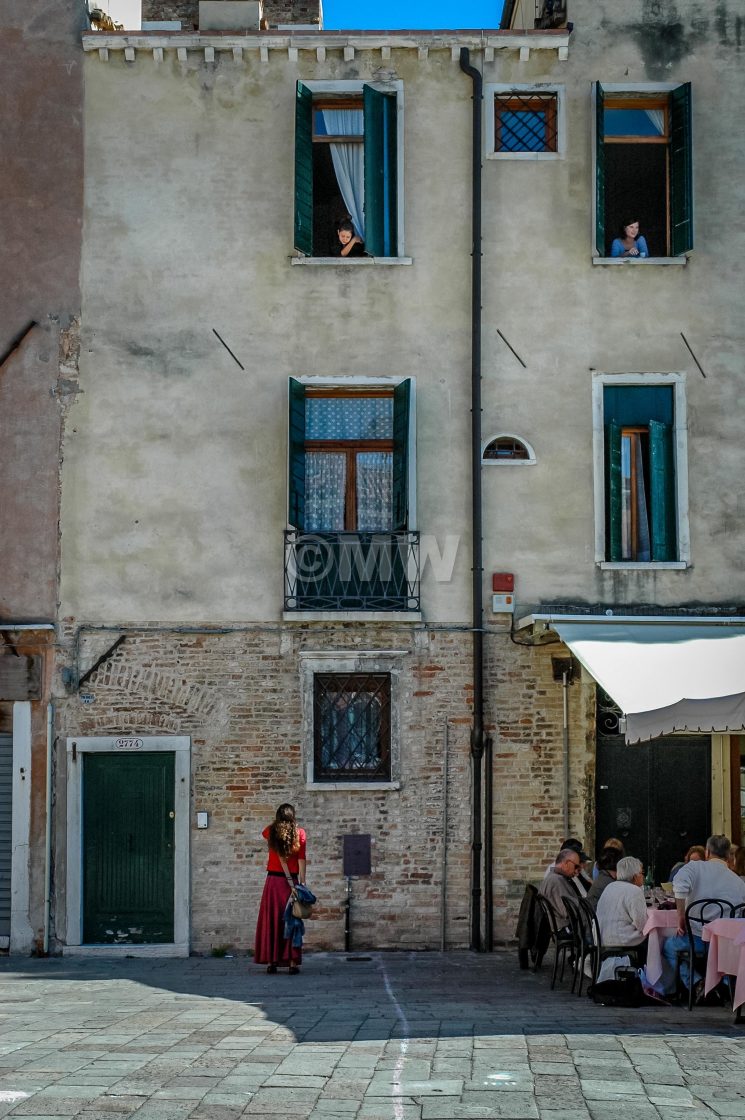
[(351, 571)]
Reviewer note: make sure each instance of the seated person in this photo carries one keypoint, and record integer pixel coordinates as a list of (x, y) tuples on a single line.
[(711, 878), (612, 842), (695, 852), (582, 882), (621, 909), (607, 863), (350, 245), (630, 244), (740, 863), (560, 883)]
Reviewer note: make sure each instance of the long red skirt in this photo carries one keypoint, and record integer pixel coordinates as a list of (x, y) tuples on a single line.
[(270, 946)]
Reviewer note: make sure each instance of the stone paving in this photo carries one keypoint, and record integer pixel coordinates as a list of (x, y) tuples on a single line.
[(426, 1036)]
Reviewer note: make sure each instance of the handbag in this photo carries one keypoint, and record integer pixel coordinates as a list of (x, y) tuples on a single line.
[(303, 899)]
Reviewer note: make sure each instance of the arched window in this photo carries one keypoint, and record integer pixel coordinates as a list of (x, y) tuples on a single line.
[(509, 449)]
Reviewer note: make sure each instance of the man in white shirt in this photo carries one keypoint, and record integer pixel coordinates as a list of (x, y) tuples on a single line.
[(621, 909), (697, 880)]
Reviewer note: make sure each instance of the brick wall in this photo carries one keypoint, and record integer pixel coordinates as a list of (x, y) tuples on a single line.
[(275, 11), (238, 696), (291, 11), (185, 10)]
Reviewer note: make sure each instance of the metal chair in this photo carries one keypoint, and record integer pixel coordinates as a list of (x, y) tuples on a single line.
[(581, 931), (528, 923), (703, 911), (594, 947), (562, 938)]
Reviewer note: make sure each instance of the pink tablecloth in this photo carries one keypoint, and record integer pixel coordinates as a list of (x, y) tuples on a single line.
[(660, 924), (726, 937)]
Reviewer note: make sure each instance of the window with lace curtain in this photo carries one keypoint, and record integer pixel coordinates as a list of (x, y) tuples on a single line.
[(349, 458)]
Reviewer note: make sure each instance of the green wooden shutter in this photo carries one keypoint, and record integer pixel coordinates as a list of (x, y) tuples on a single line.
[(613, 491), (296, 498), (600, 245), (662, 491), (304, 170), (681, 171), (381, 193), (401, 424)]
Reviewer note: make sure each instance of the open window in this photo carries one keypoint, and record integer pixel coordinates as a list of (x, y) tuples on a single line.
[(643, 167), (641, 502), (347, 166)]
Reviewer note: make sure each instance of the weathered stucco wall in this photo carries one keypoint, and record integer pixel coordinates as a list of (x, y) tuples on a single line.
[(567, 319), (189, 227), (41, 90), (178, 454)]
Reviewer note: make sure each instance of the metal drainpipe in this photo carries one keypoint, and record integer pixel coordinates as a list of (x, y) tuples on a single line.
[(477, 734)]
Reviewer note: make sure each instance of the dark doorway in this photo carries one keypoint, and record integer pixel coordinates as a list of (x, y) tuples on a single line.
[(656, 797), (128, 849), (636, 188), (328, 205)]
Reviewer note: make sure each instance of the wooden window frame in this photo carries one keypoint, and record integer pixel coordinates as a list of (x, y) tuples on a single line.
[(637, 102), (337, 103), (382, 772), (349, 447), (541, 102)]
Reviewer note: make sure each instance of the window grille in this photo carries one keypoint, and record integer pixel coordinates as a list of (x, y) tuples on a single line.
[(525, 122), (506, 447), (352, 727)]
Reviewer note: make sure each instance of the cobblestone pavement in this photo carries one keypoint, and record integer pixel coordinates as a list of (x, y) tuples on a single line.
[(391, 1036)]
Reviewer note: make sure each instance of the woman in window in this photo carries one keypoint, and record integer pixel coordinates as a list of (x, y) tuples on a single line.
[(630, 244), (350, 245), (285, 867)]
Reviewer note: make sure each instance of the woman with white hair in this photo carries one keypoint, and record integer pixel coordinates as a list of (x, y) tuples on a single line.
[(622, 911)]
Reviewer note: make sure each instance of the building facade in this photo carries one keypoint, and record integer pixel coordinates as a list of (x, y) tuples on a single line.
[(267, 515)]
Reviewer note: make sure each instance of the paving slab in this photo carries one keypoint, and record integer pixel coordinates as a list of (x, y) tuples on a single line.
[(403, 1036)]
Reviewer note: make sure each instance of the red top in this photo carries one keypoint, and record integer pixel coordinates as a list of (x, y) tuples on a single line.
[(273, 863)]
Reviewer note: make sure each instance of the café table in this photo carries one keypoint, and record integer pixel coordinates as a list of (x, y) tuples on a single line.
[(659, 925), (726, 937)]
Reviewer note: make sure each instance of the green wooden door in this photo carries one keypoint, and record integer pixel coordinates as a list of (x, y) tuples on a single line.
[(128, 837)]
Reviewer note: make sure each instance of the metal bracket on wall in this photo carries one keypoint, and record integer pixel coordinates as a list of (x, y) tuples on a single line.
[(104, 657), (16, 342)]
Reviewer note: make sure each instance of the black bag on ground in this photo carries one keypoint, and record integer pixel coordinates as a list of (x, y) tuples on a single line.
[(624, 991)]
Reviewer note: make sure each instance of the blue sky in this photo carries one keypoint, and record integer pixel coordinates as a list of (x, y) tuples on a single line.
[(360, 15)]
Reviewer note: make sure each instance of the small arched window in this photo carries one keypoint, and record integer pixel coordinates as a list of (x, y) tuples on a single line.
[(508, 448)]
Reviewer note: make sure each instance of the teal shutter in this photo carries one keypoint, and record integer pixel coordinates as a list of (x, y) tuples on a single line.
[(613, 491), (381, 192), (600, 245), (304, 170), (681, 171), (662, 491), (401, 424), (296, 498)]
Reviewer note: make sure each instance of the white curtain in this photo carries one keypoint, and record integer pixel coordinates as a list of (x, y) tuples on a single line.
[(325, 482), (374, 491), (349, 162), (657, 117), (636, 501)]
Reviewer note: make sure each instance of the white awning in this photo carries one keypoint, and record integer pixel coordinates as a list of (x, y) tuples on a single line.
[(664, 676)]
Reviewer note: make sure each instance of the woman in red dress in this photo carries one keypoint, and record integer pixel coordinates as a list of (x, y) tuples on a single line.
[(286, 843)]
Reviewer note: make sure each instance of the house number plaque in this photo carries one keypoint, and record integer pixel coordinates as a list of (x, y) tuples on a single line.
[(128, 744)]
